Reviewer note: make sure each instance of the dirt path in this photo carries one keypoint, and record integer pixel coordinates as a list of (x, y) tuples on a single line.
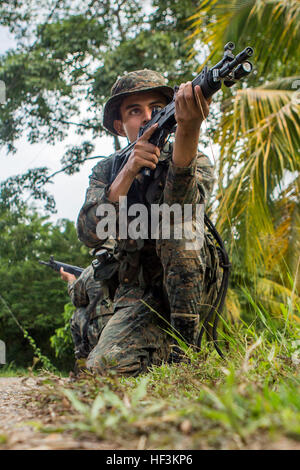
[(20, 419), (17, 416)]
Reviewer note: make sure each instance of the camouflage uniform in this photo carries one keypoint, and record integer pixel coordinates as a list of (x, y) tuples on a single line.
[(86, 326), (161, 283)]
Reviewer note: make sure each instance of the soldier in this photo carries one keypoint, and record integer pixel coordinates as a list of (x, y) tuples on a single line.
[(93, 309), (161, 282)]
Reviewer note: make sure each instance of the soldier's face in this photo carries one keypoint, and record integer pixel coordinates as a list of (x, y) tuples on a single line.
[(135, 112)]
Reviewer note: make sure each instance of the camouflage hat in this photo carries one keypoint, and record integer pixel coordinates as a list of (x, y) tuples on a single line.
[(132, 82)]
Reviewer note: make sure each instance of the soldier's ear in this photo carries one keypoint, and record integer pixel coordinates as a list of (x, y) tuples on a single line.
[(118, 125)]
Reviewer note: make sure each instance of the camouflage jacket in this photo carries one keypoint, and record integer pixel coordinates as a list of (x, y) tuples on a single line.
[(170, 185), (84, 289)]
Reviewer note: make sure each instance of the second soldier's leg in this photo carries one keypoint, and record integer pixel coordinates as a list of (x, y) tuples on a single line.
[(133, 339), (77, 323)]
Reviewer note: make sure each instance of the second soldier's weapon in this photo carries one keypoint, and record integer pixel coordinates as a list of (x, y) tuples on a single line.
[(68, 268)]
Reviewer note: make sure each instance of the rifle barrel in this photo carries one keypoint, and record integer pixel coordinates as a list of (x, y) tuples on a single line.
[(68, 268)]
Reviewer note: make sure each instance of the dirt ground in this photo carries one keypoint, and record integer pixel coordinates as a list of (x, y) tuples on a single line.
[(19, 424), (19, 420)]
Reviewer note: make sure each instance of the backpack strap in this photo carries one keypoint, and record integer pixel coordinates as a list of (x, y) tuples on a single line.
[(217, 307)]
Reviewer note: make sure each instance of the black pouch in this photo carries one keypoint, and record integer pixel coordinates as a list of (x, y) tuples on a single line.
[(105, 266), (106, 271)]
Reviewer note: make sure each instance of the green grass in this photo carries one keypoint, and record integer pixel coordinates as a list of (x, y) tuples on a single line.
[(207, 403), (11, 370)]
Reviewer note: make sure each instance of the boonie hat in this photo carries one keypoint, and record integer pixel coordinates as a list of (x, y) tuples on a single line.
[(132, 82)]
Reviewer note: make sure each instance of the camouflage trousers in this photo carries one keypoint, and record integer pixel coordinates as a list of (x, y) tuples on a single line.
[(85, 331), (134, 338), (136, 334)]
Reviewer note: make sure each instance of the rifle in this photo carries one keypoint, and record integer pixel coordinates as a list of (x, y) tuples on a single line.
[(229, 70), (56, 265)]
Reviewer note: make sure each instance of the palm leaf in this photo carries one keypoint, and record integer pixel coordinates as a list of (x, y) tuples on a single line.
[(273, 295), (273, 24), (258, 137), (261, 150)]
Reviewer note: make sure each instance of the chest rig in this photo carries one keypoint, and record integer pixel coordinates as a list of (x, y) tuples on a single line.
[(139, 263)]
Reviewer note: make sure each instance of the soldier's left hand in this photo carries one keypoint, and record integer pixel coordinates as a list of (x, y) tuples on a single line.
[(191, 108)]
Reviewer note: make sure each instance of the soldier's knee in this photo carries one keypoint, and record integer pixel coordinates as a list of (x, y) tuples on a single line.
[(106, 365), (117, 362)]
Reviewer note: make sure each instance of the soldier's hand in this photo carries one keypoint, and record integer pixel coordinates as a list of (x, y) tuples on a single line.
[(67, 276), (191, 108), (144, 154)]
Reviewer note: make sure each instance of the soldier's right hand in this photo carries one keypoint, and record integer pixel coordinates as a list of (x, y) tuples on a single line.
[(144, 153), (67, 276)]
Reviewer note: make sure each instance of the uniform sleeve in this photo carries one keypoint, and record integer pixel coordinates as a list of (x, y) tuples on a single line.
[(96, 196), (77, 291), (191, 184)]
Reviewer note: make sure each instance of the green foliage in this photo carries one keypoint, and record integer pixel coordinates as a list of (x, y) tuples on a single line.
[(62, 341), (70, 54), (35, 294), (258, 136), (68, 60), (247, 400), (67, 56), (38, 356)]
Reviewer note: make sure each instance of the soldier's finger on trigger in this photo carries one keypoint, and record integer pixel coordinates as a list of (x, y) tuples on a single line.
[(148, 133), (150, 148)]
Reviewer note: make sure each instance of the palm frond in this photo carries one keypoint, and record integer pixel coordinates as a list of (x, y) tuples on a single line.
[(264, 143), (233, 306), (273, 24), (273, 295), (258, 137)]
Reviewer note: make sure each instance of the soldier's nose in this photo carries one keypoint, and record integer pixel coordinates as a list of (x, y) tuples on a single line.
[(147, 116)]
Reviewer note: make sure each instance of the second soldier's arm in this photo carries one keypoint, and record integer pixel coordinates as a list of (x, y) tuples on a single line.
[(77, 290)]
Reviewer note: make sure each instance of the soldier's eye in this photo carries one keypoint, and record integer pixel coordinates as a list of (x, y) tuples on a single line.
[(134, 111)]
